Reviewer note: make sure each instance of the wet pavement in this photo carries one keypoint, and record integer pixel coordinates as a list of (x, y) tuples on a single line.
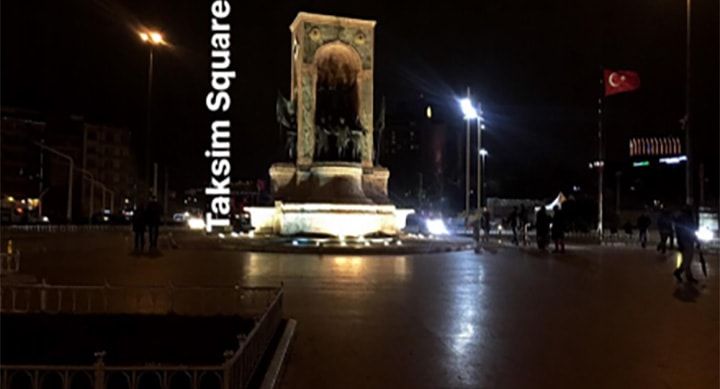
[(507, 318)]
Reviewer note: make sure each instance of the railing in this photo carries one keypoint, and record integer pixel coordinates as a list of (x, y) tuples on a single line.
[(10, 263), (263, 303), (82, 227)]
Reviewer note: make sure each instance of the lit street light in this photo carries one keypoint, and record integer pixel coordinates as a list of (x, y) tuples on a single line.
[(152, 39), (480, 127), (483, 153), (469, 113)]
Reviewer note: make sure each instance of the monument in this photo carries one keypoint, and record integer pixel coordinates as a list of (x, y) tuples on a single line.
[(330, 185)]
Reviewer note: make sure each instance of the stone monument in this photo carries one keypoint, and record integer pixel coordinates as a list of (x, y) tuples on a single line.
[(331, 186)]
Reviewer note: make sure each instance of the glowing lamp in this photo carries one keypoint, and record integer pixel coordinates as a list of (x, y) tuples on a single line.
[(469, 112), (195, 223)]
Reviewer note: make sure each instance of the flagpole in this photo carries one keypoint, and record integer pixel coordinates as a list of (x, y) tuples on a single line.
[(600, 162)]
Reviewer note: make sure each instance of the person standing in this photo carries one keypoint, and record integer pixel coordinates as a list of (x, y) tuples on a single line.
[(664, 225), (558, 230), (685, 228), (138, 225), (153, 216), (643, 222), (542, 228)]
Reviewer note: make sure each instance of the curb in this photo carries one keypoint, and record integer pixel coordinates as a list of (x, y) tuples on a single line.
[(393, 250), (272, 376)]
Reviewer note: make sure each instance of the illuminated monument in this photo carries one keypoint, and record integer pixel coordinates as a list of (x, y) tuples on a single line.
[(331, 186)]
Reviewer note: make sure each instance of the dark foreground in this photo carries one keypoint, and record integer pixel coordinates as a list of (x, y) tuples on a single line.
[(508, 318), (44, 339)]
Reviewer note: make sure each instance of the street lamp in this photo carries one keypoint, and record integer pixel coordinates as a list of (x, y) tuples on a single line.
[(689, 200), (483, 153), (469, 113), (152, 39), (480, 127)]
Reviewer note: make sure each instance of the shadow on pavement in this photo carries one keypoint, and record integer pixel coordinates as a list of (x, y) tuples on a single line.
[(686, 293)]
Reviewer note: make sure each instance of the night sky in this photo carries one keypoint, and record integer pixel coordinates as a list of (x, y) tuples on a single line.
[(535, 65)]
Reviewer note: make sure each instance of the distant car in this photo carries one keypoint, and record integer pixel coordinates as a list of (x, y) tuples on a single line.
[(108, 218), (181, 217), (416, 224), (242, 222)]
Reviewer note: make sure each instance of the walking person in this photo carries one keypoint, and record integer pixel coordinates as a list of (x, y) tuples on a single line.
[(476, 226), (523, 218), (643, 222), (685, 228), (542, 228), (514, 225), (153, 216), (486, 224), (558, 230), (664, 224), (138, 225)]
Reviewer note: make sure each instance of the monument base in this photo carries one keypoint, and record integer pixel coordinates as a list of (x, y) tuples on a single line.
[(328, 219), (330, 182)]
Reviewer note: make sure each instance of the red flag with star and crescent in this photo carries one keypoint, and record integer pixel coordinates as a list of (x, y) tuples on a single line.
[(620, 81)]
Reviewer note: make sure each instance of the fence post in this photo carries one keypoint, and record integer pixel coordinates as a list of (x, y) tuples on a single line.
[(99, 370), (171, 293), (227, 370), (43, 296)]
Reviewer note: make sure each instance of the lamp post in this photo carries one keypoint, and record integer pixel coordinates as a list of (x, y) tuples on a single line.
[(70, 176), (152, 39), (469, 113), (480, 127), (483, 153), (688, 147)]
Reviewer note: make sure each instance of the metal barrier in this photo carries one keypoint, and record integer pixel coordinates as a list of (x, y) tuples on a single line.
[(82, 227), (10, 263), (263, 303)]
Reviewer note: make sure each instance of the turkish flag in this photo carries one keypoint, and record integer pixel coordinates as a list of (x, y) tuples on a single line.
[(619, 81)]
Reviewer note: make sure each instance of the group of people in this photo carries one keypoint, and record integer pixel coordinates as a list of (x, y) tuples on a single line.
[(546, 227), (683, 226), (146, 217)]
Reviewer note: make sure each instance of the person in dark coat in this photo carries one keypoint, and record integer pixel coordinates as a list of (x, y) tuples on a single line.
[(153, 216), (685, 228), (523, 224), (558, 230), (476, 227), (643, 222), (138, 225), (514, 225), (542, 227), (486, 223), (665, 230)]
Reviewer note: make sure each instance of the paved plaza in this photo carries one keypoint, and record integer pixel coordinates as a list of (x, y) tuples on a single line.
[(506, 318)]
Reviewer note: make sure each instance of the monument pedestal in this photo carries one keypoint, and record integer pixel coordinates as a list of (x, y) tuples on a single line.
[(329, 198)]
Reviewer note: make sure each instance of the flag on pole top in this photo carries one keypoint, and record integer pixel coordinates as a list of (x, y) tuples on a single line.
[(620, 81)]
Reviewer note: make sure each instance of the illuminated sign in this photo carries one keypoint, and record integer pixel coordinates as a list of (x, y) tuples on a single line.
[(673, 160), (655, 146)]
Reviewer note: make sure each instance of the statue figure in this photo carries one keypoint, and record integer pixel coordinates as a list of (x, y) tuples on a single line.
[(379, 127), (285, 116)]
